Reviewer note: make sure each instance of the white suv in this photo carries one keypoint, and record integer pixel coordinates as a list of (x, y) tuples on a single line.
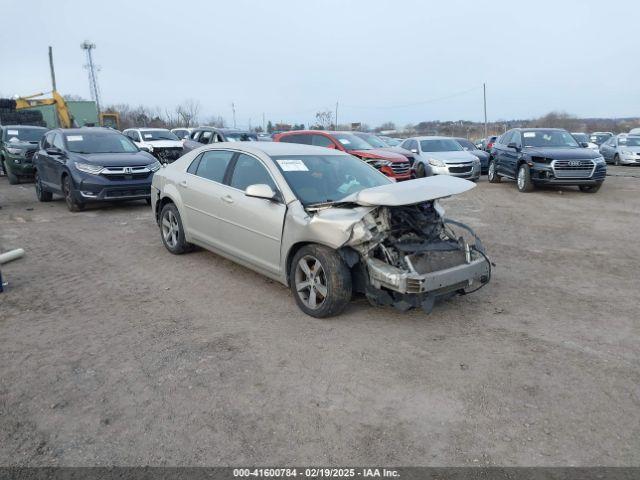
[(160, 142)]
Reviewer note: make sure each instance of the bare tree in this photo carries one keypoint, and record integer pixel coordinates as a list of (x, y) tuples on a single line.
[(188, 113), (324, 119)]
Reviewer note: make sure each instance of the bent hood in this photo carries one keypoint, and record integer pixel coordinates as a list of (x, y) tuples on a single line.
[(410, 192)]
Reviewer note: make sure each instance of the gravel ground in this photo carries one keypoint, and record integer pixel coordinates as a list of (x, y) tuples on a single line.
[(115, 352)]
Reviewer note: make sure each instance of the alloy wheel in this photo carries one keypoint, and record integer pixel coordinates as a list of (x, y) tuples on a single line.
[(311, 282), (170, 229), (492, 170)]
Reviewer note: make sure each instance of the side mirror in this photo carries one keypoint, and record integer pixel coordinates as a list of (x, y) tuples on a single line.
[(584, 144), (513, 145), (53, 151), (414, 150), (260, 190)]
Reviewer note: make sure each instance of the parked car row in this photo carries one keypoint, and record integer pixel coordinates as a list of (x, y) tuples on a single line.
[(326, 213)]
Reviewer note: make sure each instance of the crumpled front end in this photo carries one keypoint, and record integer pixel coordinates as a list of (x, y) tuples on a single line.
[(410, 256)]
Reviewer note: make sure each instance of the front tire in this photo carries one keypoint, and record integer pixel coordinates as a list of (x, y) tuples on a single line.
[(67, 190), (320, 281), (616, 160), (492, 174), (524, 178), (13, 179), (421, 173), (41, 193), (590, 188), (172, 230)]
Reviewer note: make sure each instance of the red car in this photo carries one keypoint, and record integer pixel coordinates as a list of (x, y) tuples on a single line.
[(392, 164)]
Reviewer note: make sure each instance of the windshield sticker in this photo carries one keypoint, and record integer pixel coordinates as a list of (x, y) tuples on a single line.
[(74, 138), (12, 132), (148, 135), (292, 166), (529, 134), (344, 141)]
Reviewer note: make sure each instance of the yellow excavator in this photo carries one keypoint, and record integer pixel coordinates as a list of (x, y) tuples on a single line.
[(65, 119)]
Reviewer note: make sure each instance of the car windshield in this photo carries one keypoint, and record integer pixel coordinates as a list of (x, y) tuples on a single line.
[(93, 142), (440, 145), (392, 142), (548, 139), (466, 144), (317, 179), (24, 134), (351, 142), (629, 141), (580, 137), (240, 137), (372, 140), (155, 135)]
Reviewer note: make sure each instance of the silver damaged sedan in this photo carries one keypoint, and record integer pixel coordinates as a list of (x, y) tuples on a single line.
[(321, 222)]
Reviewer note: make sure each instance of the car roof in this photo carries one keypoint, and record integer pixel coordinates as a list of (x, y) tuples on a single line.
[(539, 128), (278, 148), (432, 137), (80, 131), (23, 126)]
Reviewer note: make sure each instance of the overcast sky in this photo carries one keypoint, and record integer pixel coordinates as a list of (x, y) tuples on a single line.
[(403, 61)]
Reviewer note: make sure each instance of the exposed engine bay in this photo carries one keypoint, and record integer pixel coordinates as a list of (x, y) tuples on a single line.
[(411, 255)]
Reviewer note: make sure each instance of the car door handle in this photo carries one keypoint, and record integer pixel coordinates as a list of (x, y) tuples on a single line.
[(183, 184), (227, 199)]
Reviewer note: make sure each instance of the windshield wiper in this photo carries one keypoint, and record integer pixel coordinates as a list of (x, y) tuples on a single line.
[(326, 204)]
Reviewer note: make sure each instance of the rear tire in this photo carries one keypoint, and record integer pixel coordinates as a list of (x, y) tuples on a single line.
[(523, 179), (616, 160), (172, 230), (590, 188), (320, 281), (41, 193), (67, 189), (13, 179), (492, 174)]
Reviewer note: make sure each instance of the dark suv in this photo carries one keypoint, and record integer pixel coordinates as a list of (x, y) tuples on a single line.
[(18, 143), (92, 165), (545, 156)]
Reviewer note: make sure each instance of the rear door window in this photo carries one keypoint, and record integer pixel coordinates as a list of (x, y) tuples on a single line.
[(303, 138), (321, 141), (213, 164)]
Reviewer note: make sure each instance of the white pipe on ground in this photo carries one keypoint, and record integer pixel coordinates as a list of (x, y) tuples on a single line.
[(11, 255)]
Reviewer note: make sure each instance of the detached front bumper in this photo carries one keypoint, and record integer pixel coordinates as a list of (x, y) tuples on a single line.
[(460, 277)]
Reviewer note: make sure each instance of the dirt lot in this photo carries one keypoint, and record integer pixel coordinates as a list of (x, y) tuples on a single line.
[(113, 351)]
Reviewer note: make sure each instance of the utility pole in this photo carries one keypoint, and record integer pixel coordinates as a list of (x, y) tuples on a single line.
[(233, 109), (53, 72), (93, 77), (484, 91), (336, 115)]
